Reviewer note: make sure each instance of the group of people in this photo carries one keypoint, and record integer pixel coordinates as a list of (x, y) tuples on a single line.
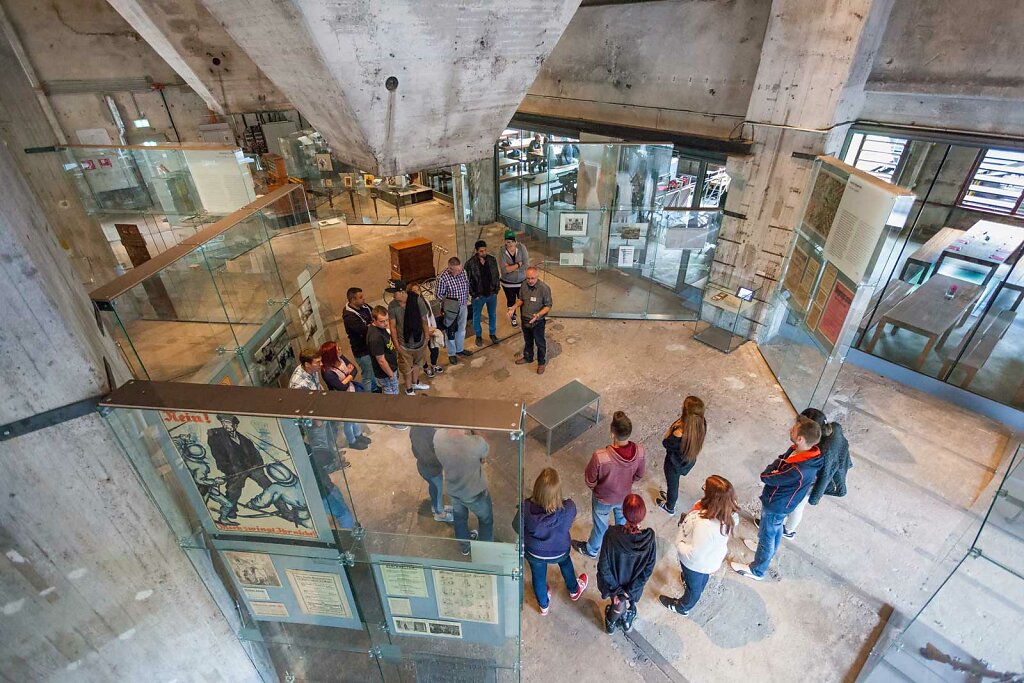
[(815, 464), (398, 345)]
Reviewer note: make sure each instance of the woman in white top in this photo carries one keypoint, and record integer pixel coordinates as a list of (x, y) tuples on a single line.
[(704, 541)]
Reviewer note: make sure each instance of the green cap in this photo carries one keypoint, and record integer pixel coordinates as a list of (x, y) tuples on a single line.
[(510, 234)]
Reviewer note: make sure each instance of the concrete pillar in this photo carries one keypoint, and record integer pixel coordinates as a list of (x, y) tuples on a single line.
[(24, 124), (809, 87), (94, 584)]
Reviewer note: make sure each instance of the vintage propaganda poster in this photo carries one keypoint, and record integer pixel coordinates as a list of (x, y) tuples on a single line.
[(253, 569), (824, 202), (319, 593), (404, 579), (821, 295), (465, 596), (243, 471), (836, 310)]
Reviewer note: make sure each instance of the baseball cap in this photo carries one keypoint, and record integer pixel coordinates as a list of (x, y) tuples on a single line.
[(510, 234), (396, 286)]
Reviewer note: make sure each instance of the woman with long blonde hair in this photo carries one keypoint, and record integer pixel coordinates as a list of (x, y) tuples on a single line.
[(703, 541), (683, 442), (544, 520)]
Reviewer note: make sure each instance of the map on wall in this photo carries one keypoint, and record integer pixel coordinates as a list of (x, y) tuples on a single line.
[(823, 203), (243, 471)]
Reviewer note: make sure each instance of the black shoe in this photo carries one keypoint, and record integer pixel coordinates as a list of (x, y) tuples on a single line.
[(464, 353), (627, 619), (453, 360), (357, 445), (479, 341), (662, 503), (672, 604), (610, 626), (515, 320), (581, 548), (363, 439)]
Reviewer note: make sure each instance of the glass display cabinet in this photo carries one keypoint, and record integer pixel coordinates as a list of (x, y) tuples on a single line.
[(327, 559), (726, 315), (227, 305)]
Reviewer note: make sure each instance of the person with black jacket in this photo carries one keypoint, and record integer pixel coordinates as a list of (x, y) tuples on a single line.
[(357, 318), (482, 271), (683, 442), (627, 558), (831, 478)]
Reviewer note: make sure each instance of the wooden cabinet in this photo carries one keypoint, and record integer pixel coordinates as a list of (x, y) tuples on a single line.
[(412, 260)]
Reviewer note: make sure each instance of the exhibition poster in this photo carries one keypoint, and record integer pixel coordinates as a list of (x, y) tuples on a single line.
[(269, 609), (836, 310), (824, 202), (319, 593), (427, 627), (400, 606), (859, 223), (821, 295), (795, 269), (253, 569), (404, 579), (466, 596), (243, 471)]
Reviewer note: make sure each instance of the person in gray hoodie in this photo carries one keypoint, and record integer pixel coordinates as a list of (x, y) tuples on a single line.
[(512, 264)]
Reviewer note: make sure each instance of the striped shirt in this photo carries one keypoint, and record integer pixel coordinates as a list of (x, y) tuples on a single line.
[(451, 286)]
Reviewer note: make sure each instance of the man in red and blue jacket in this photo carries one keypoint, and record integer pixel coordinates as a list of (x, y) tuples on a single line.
[(787, 481)]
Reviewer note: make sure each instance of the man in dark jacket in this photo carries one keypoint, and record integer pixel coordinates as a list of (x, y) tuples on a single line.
[(430, 470), (831, 479), (357, 318), (628, 555), (482, 271), (238, 459), (787, 481)]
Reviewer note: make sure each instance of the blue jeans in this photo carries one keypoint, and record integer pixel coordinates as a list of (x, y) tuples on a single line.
[(600, 513), (435, 485), (695, 583), (366, 377), (336, 505), (457, 343), (539, 572), (388, 385), (481, 507), (352, 431), (478, 308), (769, 534)]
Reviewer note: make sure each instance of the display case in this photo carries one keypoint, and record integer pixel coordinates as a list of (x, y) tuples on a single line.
[(230, 304), (331, 560), (727, 313)]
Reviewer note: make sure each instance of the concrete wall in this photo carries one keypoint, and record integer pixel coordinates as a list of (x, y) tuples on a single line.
[(93, 584), (951, 64), (682, 65)]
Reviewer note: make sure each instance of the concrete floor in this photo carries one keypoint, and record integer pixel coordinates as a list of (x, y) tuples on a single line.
[(919, 470)]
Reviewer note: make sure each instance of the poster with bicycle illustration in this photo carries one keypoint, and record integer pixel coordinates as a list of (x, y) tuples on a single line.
[(245, 475)]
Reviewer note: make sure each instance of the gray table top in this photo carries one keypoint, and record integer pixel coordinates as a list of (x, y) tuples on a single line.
[(559, 406), (928, 311)]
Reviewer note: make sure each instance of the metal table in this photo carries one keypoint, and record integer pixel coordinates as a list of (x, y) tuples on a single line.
[(559, 406)]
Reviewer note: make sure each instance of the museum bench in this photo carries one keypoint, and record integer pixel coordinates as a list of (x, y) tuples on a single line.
[(979, 346)]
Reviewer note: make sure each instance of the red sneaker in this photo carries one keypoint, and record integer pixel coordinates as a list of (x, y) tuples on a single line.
[(583, 581)]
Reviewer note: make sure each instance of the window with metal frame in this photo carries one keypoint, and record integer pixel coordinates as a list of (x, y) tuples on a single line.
[(996, 184), (878, 155)]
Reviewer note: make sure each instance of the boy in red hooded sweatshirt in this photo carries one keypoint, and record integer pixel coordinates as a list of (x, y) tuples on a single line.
[(610, 475), (787, 481)]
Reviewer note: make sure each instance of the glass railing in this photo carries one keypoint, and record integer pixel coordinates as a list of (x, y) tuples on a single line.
[(225, 304), (327, 547), (969, 629)]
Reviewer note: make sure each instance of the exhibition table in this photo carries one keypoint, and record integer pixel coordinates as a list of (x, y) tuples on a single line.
[(986, 244), (927, 312)]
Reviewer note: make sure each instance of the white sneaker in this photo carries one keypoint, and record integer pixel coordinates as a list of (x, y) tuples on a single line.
[(421, 387), (446, 517), (744, 570)]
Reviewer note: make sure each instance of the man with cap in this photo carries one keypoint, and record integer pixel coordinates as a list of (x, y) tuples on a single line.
[(410, 329), (482, 271), (453, 292), (514, 261)]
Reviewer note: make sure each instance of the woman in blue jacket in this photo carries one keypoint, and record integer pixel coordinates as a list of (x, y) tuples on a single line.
[(545, 519)]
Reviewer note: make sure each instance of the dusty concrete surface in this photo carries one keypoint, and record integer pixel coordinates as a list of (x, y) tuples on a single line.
[(920, 465)]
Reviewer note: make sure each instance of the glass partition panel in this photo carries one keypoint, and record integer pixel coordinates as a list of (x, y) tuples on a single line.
[(328, 557)]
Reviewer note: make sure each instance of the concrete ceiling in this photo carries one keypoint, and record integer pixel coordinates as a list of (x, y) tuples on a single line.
[(462, 68)]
